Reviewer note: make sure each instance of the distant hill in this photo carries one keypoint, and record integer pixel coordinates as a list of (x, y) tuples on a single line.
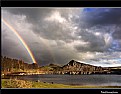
[(73, 67), (54, 65), (9, 64), (119, 67)]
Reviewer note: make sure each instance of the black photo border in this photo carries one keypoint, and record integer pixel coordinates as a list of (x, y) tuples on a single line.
[(61, 3)]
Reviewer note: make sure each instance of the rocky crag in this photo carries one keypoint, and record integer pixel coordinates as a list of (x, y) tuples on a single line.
[(74, 67)]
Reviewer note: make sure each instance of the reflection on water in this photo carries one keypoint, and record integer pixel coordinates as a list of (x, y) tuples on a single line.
[(100, 80)]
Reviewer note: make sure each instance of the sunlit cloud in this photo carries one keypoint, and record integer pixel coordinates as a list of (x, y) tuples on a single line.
[(58, 35)]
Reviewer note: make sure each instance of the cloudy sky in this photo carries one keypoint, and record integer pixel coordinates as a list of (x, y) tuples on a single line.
[(58, 35)]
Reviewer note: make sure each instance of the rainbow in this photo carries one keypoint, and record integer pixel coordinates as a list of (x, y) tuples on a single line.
[(21, 40)]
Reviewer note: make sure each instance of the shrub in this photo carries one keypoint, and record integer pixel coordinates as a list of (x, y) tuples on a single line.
[(14, 83)]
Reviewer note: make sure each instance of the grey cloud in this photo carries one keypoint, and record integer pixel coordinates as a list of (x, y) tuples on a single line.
[(11, 49), (76, 27), (33, 14), (46, 29), (51, 30), (102, 17), (99, 42), (117, 33)]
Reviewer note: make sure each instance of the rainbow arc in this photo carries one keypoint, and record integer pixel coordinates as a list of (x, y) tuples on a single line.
[(21, 40)]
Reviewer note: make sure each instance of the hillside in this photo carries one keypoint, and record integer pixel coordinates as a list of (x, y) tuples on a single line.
[(73, 67), (14, 65)]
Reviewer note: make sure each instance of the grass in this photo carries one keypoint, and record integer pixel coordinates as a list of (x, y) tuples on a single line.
[(15, 83)]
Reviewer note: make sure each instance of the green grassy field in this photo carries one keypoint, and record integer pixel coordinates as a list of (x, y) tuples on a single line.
[(14, 83)]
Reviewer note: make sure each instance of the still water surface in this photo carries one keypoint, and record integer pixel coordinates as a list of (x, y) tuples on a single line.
[(99, 80)]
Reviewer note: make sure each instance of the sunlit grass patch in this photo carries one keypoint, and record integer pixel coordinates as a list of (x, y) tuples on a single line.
[(15, 83)]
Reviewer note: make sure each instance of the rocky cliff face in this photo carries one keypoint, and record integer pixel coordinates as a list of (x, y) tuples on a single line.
[(74, 67)]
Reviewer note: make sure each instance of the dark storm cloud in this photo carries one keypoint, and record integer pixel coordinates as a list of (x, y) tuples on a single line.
[(98, 40), (61, 34), (10, 48), (117, 33), (97, 17), (33, 15), (104, 21), (103, 16), (47, 29)]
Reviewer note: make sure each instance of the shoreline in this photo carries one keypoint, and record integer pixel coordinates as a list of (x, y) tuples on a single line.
[(28, 74)]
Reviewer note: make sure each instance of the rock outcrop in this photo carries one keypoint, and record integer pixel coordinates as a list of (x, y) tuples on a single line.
[(74, 67)]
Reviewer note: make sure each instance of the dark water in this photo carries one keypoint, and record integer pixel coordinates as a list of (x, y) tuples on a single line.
[(99, 80)]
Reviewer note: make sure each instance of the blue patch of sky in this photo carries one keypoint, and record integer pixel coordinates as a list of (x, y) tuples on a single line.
[(95, 9), (88, 9)]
